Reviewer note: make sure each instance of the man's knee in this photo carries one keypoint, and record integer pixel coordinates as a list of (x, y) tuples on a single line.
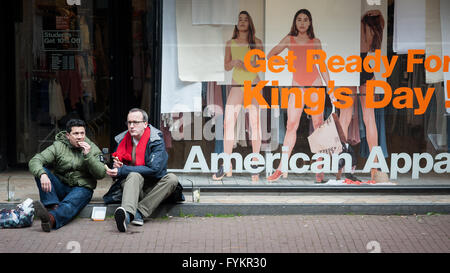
[(172, 180), (79, 197), (133, 178), (134, 175)]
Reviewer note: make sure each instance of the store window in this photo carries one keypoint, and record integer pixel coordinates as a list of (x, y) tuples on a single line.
[(394, 130), (64, 68), (62, 72)]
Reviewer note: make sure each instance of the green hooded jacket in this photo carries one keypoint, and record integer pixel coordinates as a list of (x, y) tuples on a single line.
[(69, 163)]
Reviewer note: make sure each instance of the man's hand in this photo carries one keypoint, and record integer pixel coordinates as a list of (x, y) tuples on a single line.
[(46, 184), (117, 162), (111, 172), (85, 146)]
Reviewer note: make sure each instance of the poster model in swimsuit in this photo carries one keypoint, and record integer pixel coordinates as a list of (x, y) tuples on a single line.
[(336, 31), (256, 9), (373, 24)]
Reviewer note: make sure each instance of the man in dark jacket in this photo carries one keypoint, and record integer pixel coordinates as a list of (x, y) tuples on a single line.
[(140, 163), (77, 165)]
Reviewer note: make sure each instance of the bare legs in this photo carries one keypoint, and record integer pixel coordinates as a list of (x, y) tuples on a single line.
[(293, 121), (294, 115), (369, 121), (233, 106), (345, 118)]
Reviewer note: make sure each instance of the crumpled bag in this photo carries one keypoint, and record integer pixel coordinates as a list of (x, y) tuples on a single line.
[(21, 216)]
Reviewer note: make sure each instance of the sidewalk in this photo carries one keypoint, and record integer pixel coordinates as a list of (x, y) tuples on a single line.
[(263, 198), (251, 218), (25, 186), (245, 234)]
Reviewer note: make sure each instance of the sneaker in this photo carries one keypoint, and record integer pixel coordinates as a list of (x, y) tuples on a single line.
[(43, 214), (122, 219), (138, 219)]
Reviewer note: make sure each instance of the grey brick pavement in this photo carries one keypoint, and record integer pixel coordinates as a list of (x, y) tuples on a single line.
[(240, 234)]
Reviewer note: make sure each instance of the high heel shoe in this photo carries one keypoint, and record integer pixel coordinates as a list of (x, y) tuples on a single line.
[(255, 177), (275, 176)]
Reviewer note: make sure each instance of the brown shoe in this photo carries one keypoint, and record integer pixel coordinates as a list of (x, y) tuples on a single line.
[(47, 220)]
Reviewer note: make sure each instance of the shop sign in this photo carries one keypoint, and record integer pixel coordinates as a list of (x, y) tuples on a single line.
[(402, 163), (73, 2), (61, 40), (374, 2)]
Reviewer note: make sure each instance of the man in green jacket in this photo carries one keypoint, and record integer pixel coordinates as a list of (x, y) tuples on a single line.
[(77, 165)]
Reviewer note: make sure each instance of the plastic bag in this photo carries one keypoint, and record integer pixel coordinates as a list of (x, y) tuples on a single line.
[(21, 216)]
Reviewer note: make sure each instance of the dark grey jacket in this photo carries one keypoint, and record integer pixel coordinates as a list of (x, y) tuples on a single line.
[(155, 158), (154, 169)]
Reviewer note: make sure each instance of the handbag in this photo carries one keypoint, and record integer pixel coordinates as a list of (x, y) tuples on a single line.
[(328, 138)]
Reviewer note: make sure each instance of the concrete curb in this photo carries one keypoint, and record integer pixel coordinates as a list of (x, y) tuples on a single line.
[(208, 209), (214, 209), (398, 189)]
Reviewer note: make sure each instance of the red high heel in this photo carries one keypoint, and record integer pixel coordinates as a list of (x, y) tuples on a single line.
[(275, 176)]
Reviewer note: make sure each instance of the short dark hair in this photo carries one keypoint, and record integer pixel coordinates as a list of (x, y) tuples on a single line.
[(144, 114), (74, 123)]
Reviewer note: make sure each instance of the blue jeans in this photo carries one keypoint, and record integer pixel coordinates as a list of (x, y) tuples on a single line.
[(70, 200)]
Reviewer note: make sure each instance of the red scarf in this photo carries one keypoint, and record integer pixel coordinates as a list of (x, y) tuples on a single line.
[(126, 148)]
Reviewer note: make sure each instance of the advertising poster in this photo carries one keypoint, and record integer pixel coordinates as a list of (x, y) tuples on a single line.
[(336, 29), (255, 9), (248, 90), (234, 120), (374, 21)]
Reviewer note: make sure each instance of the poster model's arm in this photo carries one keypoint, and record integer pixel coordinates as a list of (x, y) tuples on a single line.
[(282, 45), (325, 75), (229, 63)]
